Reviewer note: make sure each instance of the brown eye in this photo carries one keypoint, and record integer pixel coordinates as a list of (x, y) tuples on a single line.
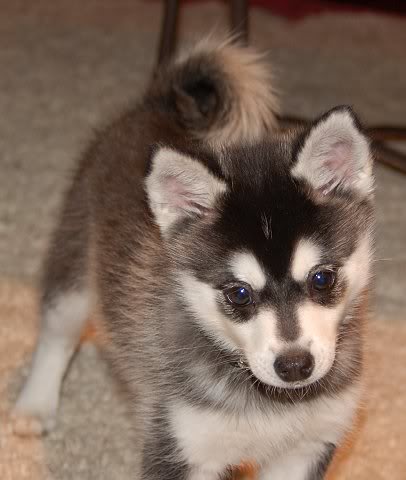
[(323, 280), (239, 296)]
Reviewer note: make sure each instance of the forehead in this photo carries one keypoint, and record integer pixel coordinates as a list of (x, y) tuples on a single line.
[(272, 216), (245, 266), (269, 224), (268, 214)]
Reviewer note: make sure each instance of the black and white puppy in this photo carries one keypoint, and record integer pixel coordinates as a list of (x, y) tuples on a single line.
[(230, 278)]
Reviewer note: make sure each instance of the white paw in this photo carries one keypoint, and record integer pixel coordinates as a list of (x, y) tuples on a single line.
[(29, 426), (33, 415)]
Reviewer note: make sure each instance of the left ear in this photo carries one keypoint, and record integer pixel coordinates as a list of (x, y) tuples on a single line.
[(180, 186), (336, 154)]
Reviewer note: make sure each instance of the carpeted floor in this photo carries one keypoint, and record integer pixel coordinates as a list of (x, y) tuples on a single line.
[(67, 66), (375, 450)]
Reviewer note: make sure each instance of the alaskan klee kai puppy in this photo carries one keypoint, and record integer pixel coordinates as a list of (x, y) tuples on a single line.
[(229, 265)]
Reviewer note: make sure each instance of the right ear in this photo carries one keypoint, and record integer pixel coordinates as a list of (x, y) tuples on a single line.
[(180, 186), (336, 155)]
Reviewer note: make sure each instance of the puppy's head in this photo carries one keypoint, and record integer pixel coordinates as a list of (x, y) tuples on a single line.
[(271, 245)]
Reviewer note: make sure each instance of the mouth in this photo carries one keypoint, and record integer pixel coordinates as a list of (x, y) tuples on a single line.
[(291, 392)]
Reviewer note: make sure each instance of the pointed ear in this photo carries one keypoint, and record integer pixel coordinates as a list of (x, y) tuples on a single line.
[(179, 186), (335, 154)]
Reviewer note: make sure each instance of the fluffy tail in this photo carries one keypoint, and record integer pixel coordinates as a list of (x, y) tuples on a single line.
[(221, 92)]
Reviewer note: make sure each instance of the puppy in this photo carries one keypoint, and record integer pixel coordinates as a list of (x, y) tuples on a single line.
[(229, 265)]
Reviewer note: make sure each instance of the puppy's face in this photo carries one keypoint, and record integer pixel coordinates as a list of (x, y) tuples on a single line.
[(272, 246)]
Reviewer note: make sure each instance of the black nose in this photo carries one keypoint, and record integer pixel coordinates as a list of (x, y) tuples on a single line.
[(294, 366)]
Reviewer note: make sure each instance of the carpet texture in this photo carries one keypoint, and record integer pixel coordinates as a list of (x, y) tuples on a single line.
[(68, 66), (375, 450)]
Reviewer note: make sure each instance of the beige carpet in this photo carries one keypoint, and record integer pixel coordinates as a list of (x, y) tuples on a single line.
[(65, 68), (374, 451)]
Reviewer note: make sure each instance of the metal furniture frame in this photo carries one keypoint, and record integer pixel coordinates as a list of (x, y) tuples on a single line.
[(239, 16)]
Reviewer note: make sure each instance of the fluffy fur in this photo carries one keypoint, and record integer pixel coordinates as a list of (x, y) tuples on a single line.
[(165, 231)]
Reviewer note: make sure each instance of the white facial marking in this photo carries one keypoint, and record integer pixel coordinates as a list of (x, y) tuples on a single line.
[(319, 325), (319, 329), (266, 226), (258, 338), (305, 257), (201, 299), (357, 269), (260, 333), (261, 345), (248, 269)]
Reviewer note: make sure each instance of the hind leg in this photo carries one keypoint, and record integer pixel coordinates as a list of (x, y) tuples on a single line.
[(62, 324), (64, 311)]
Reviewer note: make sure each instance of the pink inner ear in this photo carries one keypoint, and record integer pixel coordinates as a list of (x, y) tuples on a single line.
[(339, 161), (178, 195)]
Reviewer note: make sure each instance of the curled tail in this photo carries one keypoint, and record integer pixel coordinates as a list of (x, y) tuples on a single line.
[(220, 92)]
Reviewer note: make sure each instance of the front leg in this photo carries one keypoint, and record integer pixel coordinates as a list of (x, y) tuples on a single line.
[(320, 467), (301, 465), (163, 459)]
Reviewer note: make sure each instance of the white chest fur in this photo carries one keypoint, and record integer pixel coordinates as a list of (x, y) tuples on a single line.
[(213, 440)]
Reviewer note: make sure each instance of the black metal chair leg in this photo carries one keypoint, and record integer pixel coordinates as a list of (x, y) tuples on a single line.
[(239, 25), (167, 42), (239, 20)]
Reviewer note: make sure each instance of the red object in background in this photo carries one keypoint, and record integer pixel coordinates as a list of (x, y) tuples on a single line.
[(301, 8), (295, 9)]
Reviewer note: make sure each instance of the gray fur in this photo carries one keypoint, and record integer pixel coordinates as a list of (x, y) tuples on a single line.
[(108, 239)]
